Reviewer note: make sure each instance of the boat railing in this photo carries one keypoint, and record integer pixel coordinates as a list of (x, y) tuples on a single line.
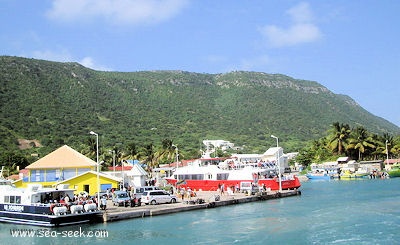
[(41, 204)]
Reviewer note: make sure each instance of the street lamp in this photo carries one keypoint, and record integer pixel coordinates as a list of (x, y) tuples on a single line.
[(278, 162), (387, 154), (98, 168), (177, 155), (122, 175), (113, 152)]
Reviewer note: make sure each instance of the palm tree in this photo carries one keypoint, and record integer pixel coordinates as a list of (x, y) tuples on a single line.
[(12, 162), (360, 140), (395, 149), (338, 137), (132, 152), (167, 151), (90, 149), (150, 156), (381, 142), (390, 142), (320, 150), (380, 149)]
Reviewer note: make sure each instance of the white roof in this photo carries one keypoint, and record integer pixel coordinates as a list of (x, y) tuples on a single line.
[(136, 170), (272, 151), (343, 159)]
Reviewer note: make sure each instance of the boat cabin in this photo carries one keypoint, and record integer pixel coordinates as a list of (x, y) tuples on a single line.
[(34, 194)]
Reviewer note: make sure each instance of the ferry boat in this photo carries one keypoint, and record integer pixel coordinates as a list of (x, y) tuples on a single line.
[(40, 206), (204, 176)]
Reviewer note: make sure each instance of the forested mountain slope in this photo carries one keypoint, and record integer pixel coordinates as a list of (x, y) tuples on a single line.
[(59, 103)]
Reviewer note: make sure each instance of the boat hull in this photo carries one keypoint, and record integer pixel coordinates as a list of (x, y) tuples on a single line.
[(394, 173), (319, 177), (354, 176), (212, 185), (40, 216)]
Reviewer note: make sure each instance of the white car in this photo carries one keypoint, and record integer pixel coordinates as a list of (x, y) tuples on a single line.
[(138, 190), (157, 196)]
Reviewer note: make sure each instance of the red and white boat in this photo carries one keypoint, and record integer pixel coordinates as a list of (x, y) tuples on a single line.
[(207, 176)]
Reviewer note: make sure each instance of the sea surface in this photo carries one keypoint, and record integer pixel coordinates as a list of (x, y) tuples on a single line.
[(327, 212)]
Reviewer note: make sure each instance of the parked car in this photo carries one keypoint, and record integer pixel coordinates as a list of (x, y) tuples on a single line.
[(138, 190), (121, 198), (102, 193), (157, 196)]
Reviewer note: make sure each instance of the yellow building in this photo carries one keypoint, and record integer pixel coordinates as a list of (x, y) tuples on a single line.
[(67, 166), (87, 182)]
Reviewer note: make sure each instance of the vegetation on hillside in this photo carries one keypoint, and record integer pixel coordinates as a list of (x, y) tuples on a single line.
[(138, 113)]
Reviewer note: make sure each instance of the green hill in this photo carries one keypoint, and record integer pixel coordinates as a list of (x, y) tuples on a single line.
[(59, 103)]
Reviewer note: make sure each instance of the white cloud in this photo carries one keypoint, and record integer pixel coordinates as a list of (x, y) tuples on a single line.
[(301, 13), (65, 56), (120, 12), (62, 56), (90, 63), (301, 30)]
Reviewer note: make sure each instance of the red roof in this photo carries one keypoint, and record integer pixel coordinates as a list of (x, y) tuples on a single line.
[(14, 177), (392, 161), (119, 168)]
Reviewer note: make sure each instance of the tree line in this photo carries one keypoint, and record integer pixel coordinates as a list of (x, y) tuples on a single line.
[(341, 140), (357, 143)]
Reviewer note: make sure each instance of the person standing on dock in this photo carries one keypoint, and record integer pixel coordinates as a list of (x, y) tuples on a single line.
[(103, 204), (182, 192)]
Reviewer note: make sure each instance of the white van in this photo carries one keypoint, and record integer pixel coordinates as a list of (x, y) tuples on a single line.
[(157, 196), (138, 190)]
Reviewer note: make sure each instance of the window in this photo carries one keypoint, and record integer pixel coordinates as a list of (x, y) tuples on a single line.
[(58, 174), (223, 176), (83, 170), (198, 176), (51, 175), (37, 176), (69, 173)]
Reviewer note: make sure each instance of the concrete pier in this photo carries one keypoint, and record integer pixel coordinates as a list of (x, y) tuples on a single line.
[(203, 200)]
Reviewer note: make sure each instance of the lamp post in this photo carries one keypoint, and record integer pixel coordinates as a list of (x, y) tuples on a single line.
[(278, 162), (122, 175), (177, 156), (387, 154), (98, 168), (113, 152)]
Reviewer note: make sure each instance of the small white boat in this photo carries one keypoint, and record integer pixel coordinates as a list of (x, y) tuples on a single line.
[(40, 206)]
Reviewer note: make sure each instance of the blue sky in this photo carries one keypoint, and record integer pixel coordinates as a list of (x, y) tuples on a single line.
[(350, 47)]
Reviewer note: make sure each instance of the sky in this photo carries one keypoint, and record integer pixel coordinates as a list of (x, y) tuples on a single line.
[(350, 47)]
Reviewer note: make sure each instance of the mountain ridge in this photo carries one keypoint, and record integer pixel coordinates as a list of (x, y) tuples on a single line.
[(59, 103)]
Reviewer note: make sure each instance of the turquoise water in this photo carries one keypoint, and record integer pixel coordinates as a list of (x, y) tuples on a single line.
[(327, 212)]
